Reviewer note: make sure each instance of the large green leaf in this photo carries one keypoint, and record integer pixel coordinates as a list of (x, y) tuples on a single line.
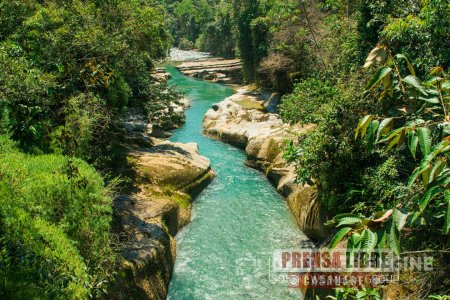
[(386, 84), (432, 100), (415, 83), (417, 172), (424, 134), (379, 75), (413, 142), (393, 238), (362, 126), (438, 149), (353, 246), (381, 239), (348, 221), (425, 164), (408, 63), (429, 195), (438, 167), (447, 217), (368, 240), (371, 134), (377, 55), (339, 236), (400, 216), (395, 141), (356, 239), (353, 242), (345, 215), (432, 81), (384, 127), (426, 176), (392, 134), (441, 180), (366, 127), (413, 217)]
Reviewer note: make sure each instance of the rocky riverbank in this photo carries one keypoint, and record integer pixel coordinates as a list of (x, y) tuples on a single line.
[(263, 135), (165, 179)]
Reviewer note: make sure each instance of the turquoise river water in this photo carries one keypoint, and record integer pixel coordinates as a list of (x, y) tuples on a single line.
[(237, 221)]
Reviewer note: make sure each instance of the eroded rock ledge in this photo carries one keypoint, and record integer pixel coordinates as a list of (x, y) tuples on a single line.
[(262, 135), (215, 70), (167, 177)]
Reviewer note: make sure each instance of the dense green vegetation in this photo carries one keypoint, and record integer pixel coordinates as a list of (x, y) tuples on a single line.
[(206, 25), (69, 71), (55, 215), (393, 177), (375, 67)]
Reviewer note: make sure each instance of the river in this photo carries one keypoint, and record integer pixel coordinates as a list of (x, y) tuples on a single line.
[(237, 221)]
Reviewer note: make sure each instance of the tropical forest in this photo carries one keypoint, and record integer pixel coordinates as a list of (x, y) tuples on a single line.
[(222, 150)]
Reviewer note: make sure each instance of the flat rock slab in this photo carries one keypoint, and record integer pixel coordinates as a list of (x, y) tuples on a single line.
[(209, 63), (263, 136), (215, 70)]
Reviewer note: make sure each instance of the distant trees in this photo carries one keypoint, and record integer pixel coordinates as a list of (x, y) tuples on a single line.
[(55, 216), (252, 35), (70, 68), (190, 18), (219, 35)]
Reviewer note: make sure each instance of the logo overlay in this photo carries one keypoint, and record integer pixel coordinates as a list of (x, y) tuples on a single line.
[(313, 268)]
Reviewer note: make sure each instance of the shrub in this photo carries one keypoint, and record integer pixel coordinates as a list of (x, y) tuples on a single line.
[(55, 216), (305, 103), (275, 71), (185, 44), (330, 157), (25, 100)]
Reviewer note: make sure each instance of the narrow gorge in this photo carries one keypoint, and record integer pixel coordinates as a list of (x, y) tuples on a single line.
[(238, 221), (224, 149)]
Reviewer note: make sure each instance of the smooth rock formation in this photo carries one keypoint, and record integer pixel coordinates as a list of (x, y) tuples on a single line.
[(177, 166), (263, 135), (215, 70), (165, 177)]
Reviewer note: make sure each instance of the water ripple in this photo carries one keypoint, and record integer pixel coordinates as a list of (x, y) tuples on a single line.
[(238, 218)]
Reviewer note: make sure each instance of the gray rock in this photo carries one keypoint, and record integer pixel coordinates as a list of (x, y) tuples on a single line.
[(135, 127), (157, 132), (214, 69)]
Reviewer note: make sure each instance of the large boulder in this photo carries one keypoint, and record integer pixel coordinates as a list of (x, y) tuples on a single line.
[(175, 165), (263, 137), (167, 176)]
